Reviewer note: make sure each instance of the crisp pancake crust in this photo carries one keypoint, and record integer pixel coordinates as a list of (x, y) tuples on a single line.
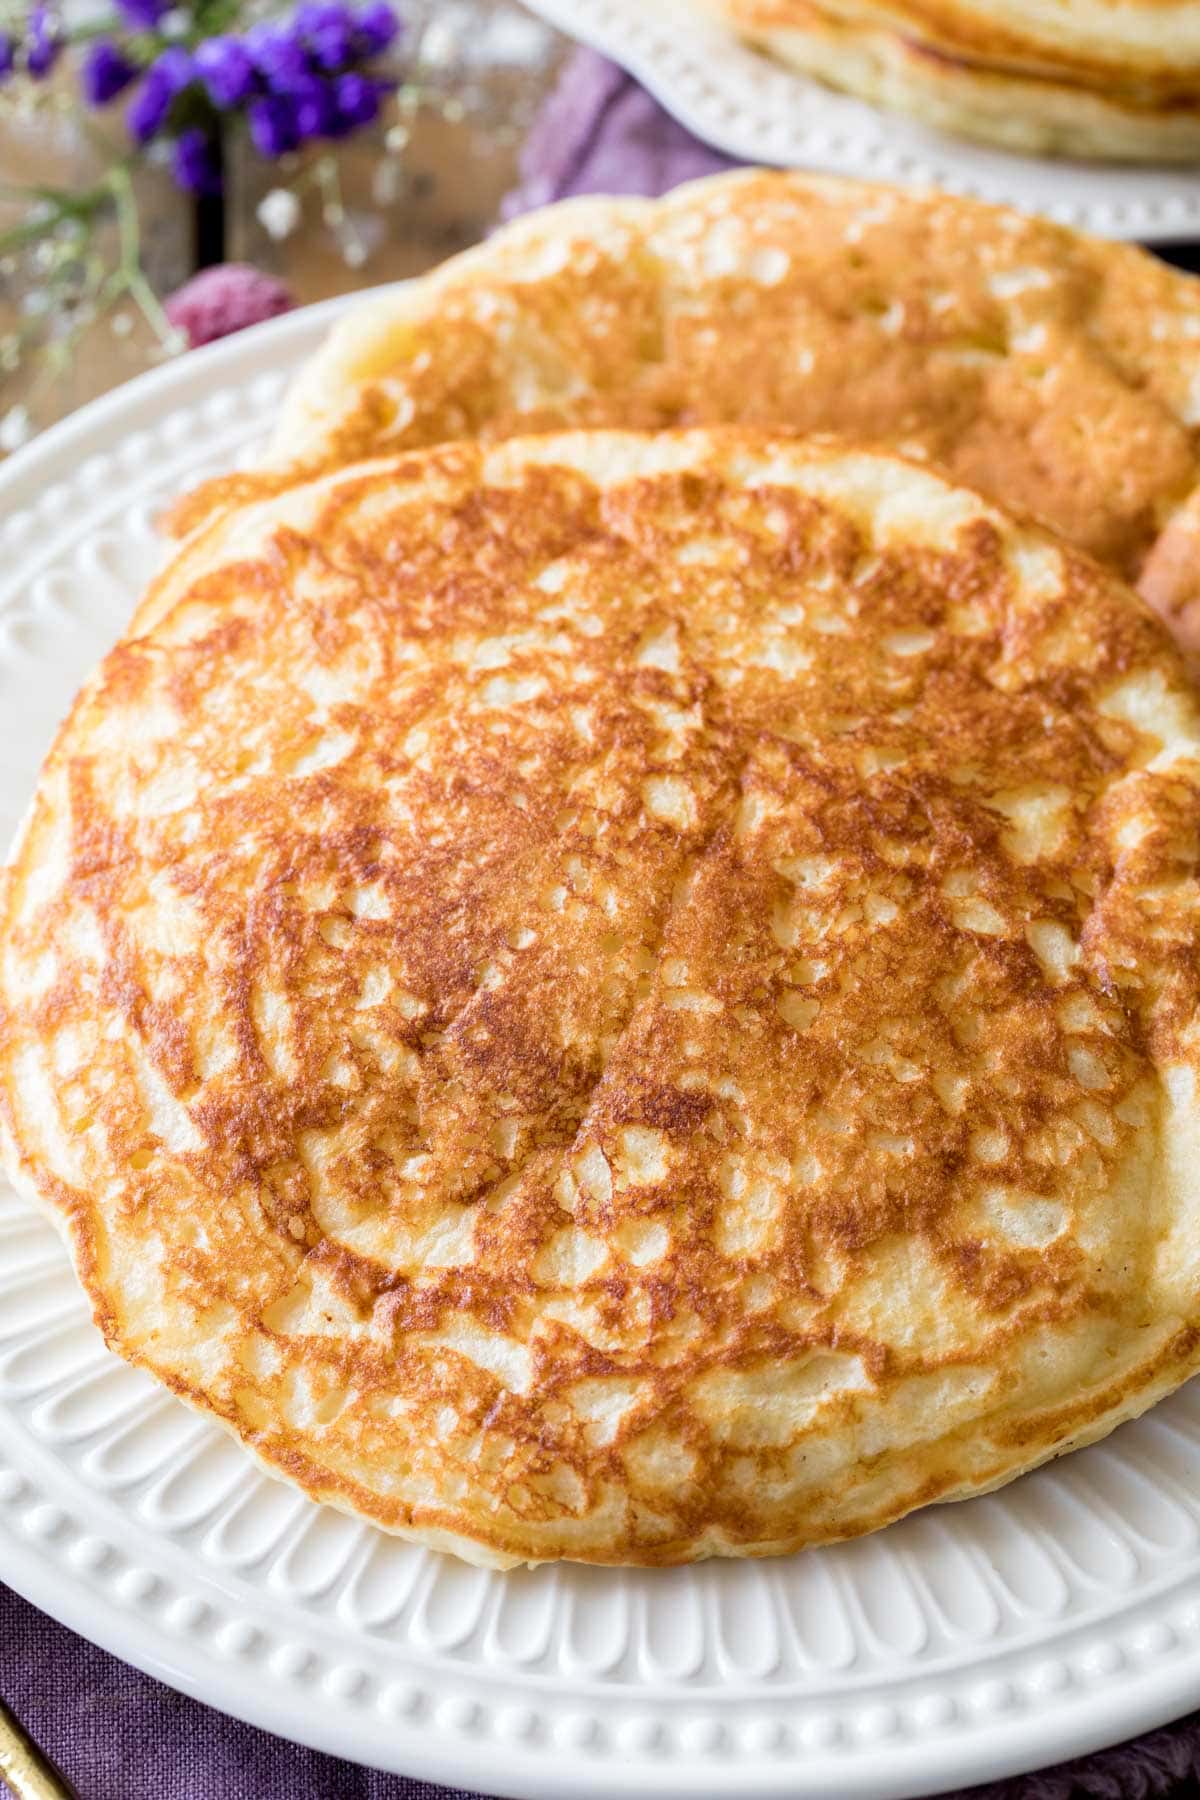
[(625, 998), (1058, 373)]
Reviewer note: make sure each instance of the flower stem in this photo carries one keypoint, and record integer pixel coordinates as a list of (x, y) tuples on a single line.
[(56, 205), (128, 277)]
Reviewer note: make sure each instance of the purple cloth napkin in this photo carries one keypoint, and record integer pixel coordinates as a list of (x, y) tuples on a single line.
[(600, 133), (118, 1734)]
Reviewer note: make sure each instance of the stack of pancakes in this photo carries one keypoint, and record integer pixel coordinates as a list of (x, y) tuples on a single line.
[(600, 976), (1077, 78)]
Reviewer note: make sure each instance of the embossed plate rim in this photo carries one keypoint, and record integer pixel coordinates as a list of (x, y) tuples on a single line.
[(737, 100), (902, 1730)]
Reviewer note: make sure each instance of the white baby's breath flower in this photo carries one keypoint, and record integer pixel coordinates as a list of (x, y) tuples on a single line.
[(16, 428), (279, 213), (171, 343), (439, 44), (387, 182)]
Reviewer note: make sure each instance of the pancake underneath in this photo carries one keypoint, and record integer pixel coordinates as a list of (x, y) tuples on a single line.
[(1058, 373), (1151, 44), (624, 998), (1006, 92)]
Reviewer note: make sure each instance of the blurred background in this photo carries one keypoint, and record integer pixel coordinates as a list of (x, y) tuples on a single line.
[(461, 83)]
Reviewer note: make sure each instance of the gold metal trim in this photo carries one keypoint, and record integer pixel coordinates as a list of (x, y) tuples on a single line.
[(24, 1771)]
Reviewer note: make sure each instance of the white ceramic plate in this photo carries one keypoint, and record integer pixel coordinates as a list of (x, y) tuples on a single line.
[(969, 1641), (755, 109)]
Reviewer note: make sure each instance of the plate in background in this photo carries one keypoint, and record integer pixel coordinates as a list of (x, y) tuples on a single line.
[(758, 110), (966, 1642)]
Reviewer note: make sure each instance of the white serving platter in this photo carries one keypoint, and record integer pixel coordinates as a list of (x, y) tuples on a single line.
[(752, 108), (969, 1641)]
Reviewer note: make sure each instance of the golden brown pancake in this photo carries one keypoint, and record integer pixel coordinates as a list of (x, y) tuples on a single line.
[(626, 998), (1059, 373), (995, 86)]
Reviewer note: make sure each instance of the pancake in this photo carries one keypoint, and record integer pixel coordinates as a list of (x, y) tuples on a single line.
[(1058, 373), (622, 997), (1109, 117), (1151, 44)]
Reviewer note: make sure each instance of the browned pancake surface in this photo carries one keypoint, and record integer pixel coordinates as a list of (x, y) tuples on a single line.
[(624, 998)]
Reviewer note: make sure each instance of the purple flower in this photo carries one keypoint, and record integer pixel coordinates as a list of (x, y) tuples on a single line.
[(148, 108), (105, 73), (328, 30), (315, 15), (194, 164), (227, 70), (176, 68), (315, 108), (8, 54), (44, 44), (273, 125), (357, 101), (278, 56), (164, 79), (376, 28), (334, 47), (142, 15)]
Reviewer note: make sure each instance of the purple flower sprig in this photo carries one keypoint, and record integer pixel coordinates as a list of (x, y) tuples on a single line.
[(305, 79), (314, 75)]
